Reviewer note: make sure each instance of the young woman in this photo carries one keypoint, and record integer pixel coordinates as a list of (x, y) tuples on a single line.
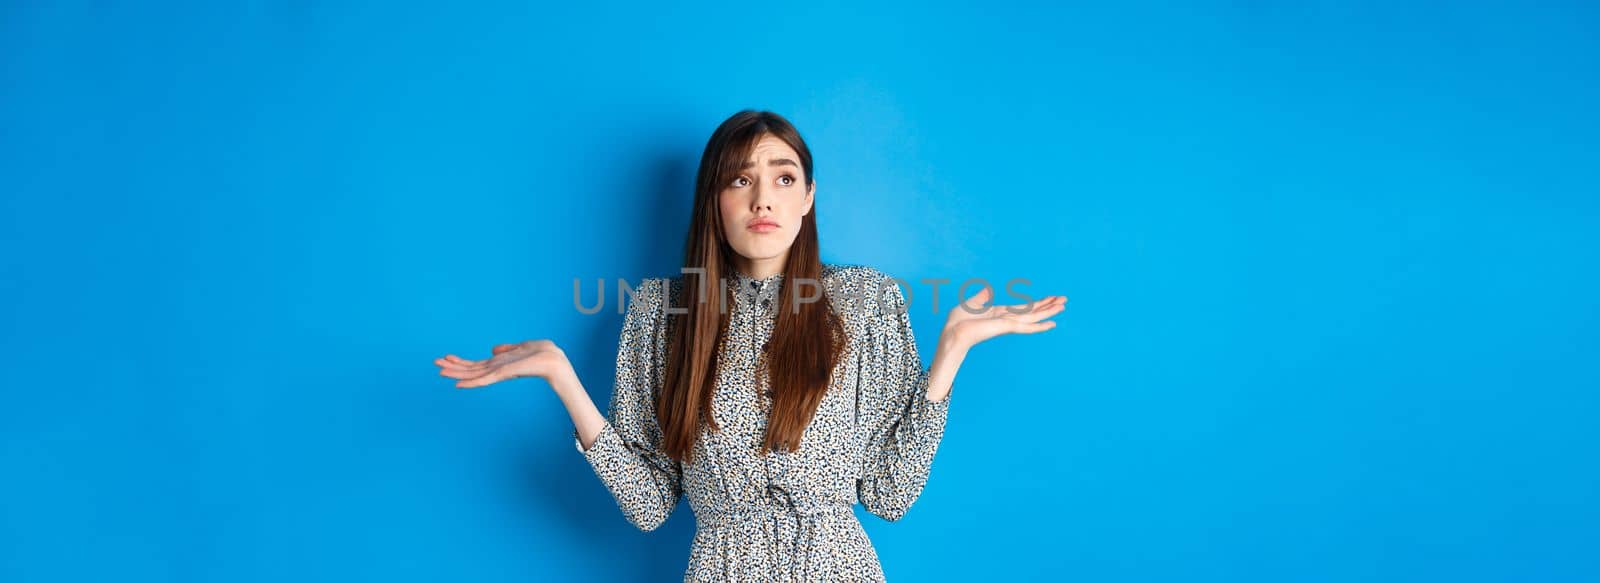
[(774, 390)]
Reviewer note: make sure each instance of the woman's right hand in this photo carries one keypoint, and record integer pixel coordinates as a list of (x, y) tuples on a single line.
[(533, 358)]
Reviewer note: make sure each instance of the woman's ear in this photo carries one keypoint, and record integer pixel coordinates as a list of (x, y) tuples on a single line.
[(811, 198)]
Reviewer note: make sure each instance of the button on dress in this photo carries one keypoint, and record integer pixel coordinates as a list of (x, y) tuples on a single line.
[(776, 515)]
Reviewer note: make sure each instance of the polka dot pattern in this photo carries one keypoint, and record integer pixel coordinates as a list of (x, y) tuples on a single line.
[(776, 516)]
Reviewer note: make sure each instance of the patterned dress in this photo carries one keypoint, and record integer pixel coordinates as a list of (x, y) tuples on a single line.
[(776, 516)]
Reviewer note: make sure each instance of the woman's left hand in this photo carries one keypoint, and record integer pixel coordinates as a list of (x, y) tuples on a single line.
[(970, 323)]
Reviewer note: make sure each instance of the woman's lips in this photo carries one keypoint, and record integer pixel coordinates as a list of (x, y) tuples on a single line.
[(763, 227)]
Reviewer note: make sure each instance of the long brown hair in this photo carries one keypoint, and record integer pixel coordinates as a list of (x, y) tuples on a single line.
[(807, 338)]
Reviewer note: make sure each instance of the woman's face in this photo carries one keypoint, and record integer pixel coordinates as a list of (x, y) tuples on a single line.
[(763, 204)]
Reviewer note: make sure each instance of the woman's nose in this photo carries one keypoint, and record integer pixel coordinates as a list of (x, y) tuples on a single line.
[(762, 199)]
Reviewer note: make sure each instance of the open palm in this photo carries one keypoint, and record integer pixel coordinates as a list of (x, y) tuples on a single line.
[(971, 323), (533, 358)]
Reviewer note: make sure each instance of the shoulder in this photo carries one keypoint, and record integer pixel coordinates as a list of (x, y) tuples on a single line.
[(856, 276), (651, 295), (860, 291), (853, 276)]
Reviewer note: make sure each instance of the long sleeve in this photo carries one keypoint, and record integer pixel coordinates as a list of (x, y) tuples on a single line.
[(902, 427), (627, 454)]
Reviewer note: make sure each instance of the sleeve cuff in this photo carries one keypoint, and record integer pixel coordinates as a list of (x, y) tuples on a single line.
[(927, 410), (607, 433)]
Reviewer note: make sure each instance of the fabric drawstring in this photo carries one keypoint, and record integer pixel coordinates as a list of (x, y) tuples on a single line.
[(776, 505)]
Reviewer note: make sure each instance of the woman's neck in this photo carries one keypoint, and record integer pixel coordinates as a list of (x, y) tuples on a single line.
[(759, 268)]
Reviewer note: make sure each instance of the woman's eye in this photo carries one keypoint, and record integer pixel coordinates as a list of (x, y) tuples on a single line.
[(786, 180), (739, 181)]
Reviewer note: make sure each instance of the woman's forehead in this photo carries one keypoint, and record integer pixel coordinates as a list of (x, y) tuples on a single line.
[(770, 146)]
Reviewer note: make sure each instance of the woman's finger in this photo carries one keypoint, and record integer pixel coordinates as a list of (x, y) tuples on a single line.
[(1033, 328), (460, 373), (1029, 317), (1046, 304), (1040, 313), (480, 380), (1014, 310), (449, 364), (460, 364), (976, 303), (460, 361), (983, 295)]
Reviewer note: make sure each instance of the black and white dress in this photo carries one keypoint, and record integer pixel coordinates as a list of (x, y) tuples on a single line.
[(776, 516)]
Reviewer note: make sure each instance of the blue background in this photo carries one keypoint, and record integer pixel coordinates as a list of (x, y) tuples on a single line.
[(1331, 269)]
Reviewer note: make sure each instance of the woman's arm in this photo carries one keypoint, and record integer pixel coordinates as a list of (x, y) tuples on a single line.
[(970, 322), (904, 407), (947, 359), (902, 412), (624, 450), (586, 417), (533, 358)]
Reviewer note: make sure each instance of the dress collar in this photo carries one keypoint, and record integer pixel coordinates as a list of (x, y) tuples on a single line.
[(757, 291), (746, 281)]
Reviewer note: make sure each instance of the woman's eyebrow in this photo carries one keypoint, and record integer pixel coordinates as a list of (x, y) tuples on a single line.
[(770, 163)]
